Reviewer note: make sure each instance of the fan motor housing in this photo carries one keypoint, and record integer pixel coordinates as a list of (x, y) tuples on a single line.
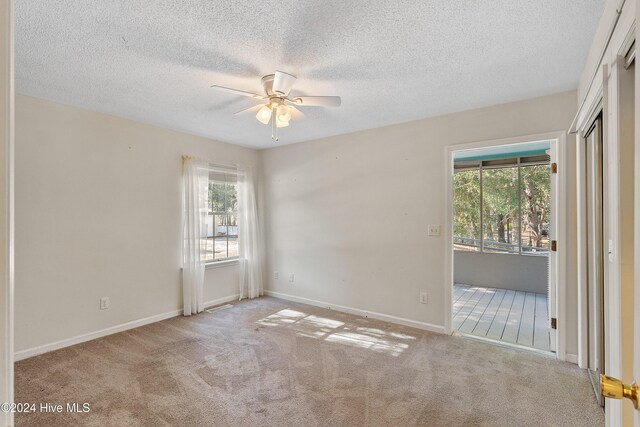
[(267, 84)]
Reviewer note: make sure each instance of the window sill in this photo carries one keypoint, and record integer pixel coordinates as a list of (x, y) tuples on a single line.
[(219, 264)]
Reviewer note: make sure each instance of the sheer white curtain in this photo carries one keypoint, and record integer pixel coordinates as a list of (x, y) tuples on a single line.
[(196, 183), (249, 236)]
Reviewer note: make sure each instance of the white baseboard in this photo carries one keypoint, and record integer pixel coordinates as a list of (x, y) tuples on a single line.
[(360, 312), (571, 358), (222, 300), (30, 352), (25, 354)]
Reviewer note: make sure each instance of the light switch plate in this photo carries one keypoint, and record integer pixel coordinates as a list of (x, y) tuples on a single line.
[(434, 230), (424, 298)]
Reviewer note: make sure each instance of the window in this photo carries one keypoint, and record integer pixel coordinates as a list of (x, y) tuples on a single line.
[(536, 201), (466, 210), (502, 206), (222, 218), (500, 209)]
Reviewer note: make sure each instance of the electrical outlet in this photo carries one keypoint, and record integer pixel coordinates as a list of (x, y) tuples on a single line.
[(434, 230), (104, 303), (276, 275), (291, 277), (424, 298)]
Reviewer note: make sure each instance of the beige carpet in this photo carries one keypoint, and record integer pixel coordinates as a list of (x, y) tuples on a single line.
[(269, 362)]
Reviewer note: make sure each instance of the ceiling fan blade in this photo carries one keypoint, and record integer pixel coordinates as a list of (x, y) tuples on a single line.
[(238, 92), (295, 113), (317, 101), (283, 82), (253, 109)]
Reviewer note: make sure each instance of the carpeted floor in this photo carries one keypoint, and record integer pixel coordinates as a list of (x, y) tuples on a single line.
[(269, 362)]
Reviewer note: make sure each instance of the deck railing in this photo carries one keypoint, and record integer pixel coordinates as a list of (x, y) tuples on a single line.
[(495, 246)]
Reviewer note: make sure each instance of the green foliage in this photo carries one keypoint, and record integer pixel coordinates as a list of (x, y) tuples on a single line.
[(223, 197), (223, 202), (466, 204), (501, 204), (536, 202)]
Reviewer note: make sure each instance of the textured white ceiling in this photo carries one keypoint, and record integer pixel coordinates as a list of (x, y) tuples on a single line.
[(390, 61)]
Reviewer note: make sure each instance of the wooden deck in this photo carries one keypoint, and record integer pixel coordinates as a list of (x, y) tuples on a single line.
[(511, 316)]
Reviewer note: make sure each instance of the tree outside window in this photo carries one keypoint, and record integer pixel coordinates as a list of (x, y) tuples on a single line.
[(502, 209), (222, 224), (536, 203)]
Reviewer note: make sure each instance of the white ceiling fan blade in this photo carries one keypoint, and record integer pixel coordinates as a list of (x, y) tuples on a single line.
[(295, 113), (283, 82), (253, 109), (317, 101), (238, 92)]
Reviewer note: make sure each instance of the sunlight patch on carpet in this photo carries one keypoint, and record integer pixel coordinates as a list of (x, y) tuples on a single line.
[(335, 331)]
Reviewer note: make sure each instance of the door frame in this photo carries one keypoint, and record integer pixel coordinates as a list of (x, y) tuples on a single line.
[(581, 217), (558, 148), (6, 206), (636, 250)]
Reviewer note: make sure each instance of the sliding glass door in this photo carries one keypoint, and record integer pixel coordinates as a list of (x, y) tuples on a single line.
[(595, 253)]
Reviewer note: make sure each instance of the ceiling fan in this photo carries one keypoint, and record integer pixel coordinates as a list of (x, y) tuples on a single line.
[(279, 106)]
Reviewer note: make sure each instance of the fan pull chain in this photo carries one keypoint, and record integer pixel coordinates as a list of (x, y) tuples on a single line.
[(274, 129)]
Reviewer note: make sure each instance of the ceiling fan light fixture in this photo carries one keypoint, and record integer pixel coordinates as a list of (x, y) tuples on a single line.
[(283, 114), (279, 108), (264, 114), (281, 123)]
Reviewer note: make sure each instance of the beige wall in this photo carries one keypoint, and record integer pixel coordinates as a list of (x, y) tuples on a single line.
[(98, 213), (6, 108), (348, 215)]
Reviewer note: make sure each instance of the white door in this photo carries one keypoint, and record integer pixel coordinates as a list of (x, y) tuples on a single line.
[(591, 231), (595, 254)]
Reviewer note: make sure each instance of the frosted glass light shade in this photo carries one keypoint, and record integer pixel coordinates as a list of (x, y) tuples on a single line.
[(264, 114), (283, 114)]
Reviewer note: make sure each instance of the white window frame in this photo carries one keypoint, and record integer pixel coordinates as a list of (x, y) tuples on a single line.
[(229, 260), (479, 165)]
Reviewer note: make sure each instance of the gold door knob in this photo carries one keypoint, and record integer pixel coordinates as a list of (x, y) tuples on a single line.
[(616, 389)]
